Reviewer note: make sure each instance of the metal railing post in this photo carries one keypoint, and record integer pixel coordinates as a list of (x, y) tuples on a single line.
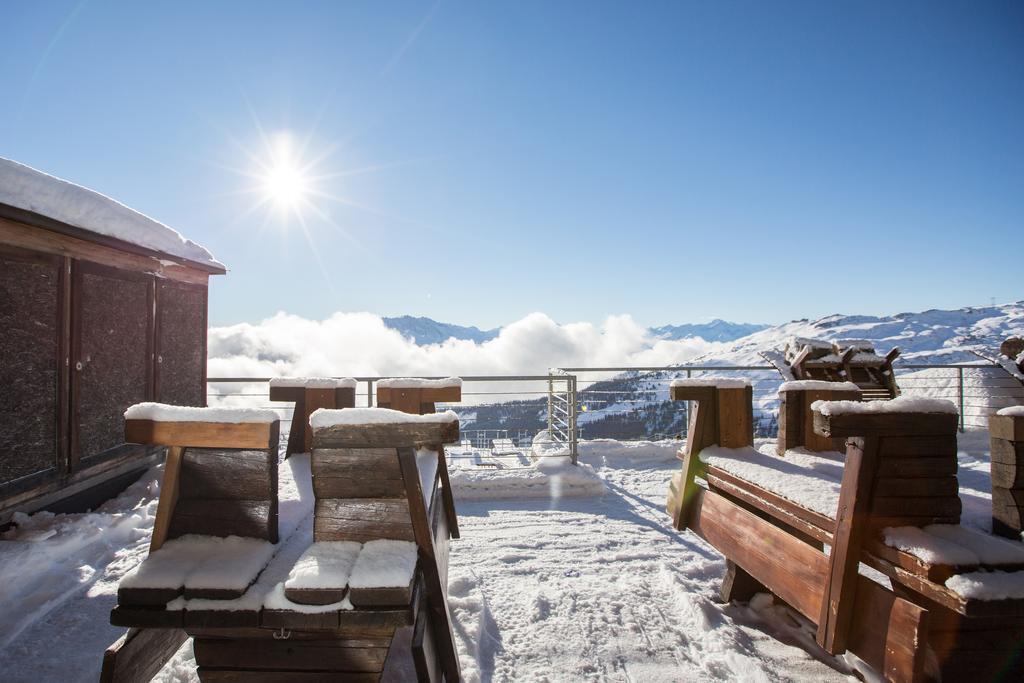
[(369, 393), (573, 437), (960, 396)]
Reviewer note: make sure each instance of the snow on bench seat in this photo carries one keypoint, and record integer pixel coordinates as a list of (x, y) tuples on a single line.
[(1011, 411), (383, 573), (988, 586), (321, 574), (162, 412), (817, 385), (418, 383), (718, 382), (369, 416), (809, 479), (902, 404), (313, 382), (955, 545), (199, 566)]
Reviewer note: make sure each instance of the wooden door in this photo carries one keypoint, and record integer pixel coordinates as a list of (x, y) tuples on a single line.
[(32, 391), (180, 343), (111, 359)]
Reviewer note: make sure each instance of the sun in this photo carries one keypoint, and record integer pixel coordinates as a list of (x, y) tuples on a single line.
[(285, 182)]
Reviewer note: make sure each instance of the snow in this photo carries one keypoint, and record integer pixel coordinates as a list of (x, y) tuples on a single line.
[(426, 465), (384, 563), (720, 382), (901, 404), (989, 549), (811, 480), (161, 412), (325, 417), (418, 383), (552, 477), (314, 382), (817, 385), (995, 585), (557, 588), (276, 600), (1011, 411), (927, 547), (26, 188), (325, 564)]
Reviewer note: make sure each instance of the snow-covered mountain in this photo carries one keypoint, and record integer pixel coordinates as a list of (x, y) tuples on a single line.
[(717, 330), (427, 331)]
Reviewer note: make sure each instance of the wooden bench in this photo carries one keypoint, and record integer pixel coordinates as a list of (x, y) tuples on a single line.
[(796, 419), (1006, 433), (373, 630), (309, 394), (896, 481), (840, 361)]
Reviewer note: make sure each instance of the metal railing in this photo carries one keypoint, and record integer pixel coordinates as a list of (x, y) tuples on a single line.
[(628, 403)]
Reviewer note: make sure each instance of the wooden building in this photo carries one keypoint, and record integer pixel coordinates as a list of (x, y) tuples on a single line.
[(100, 308)]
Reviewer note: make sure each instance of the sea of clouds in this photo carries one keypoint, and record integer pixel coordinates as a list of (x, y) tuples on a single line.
[(359, 344)]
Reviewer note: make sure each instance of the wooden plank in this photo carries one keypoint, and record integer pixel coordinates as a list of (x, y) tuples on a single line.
[(917, 487), (146, 597), (737, 584), (18, 234), (381, 597), (139, 654), (1007, 452), (855, 503), (316, 596), (885, 424), (299, 655), (233, 474), (168, 497), (202, 434), (396, 435), (220, 517), (434, 590), (929, 446), (735, 417), (399, 666), (888, 632), (361, 519), (1006, 427), (1008, 521), (376, 463), (822, 522), (1007, 497), (790, 568), (221, 619), (146, 617), (447, 494), (948, 507), (386, 396), (207, 675), (937, 572), (905, 467)]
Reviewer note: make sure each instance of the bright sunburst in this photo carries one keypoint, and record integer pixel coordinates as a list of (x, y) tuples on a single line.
[(285, 181)]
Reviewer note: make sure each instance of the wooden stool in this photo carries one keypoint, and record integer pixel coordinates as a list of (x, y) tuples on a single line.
[(310, 394), (1006, 431), (417, 396), (796, 419)]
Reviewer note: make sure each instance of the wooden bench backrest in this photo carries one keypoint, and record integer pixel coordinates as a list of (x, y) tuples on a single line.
[(358, 481), (416, 400), (220, 479), (796, 419), (1007, 448)]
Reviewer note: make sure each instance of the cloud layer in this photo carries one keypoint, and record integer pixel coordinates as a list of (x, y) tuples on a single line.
[(359, 344)]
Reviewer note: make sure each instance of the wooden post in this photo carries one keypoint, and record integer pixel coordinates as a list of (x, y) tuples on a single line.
[(852, 522), (168, 497), (1007, 451), (435, 590)]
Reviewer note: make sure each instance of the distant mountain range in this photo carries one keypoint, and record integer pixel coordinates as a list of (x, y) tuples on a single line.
[(428, 331)]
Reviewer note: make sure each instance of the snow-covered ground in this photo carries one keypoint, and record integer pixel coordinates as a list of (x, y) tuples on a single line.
[(595, 586)]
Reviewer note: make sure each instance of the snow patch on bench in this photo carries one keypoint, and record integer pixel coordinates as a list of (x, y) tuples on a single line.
[(928, 547), (418, 383), (817, 385), (202, 562), (903, 404), (989, 549), (811, 480), (986, 586), (161, 412), (384, 563), (719, 382), (326, 417), (314, 382), (325, 564)]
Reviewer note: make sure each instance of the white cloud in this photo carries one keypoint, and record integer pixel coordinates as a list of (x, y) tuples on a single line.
[(359, 344)]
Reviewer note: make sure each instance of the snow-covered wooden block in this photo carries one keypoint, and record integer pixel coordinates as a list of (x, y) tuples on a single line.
[(375, 427), (724, 413), (796, 419), (416, 395), (310, 394), (1006, 431)]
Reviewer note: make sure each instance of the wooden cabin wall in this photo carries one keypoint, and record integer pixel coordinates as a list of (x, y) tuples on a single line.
[(136, 326)]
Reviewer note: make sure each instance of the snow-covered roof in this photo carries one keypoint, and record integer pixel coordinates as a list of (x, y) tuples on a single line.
[(25, 188)]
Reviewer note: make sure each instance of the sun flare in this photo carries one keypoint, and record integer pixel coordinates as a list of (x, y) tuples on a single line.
[(285, 182)]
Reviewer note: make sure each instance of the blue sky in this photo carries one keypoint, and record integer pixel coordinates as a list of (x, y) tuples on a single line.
[(675, 161)]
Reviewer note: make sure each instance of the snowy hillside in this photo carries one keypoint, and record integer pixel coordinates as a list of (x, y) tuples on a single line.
[(715, 331)]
